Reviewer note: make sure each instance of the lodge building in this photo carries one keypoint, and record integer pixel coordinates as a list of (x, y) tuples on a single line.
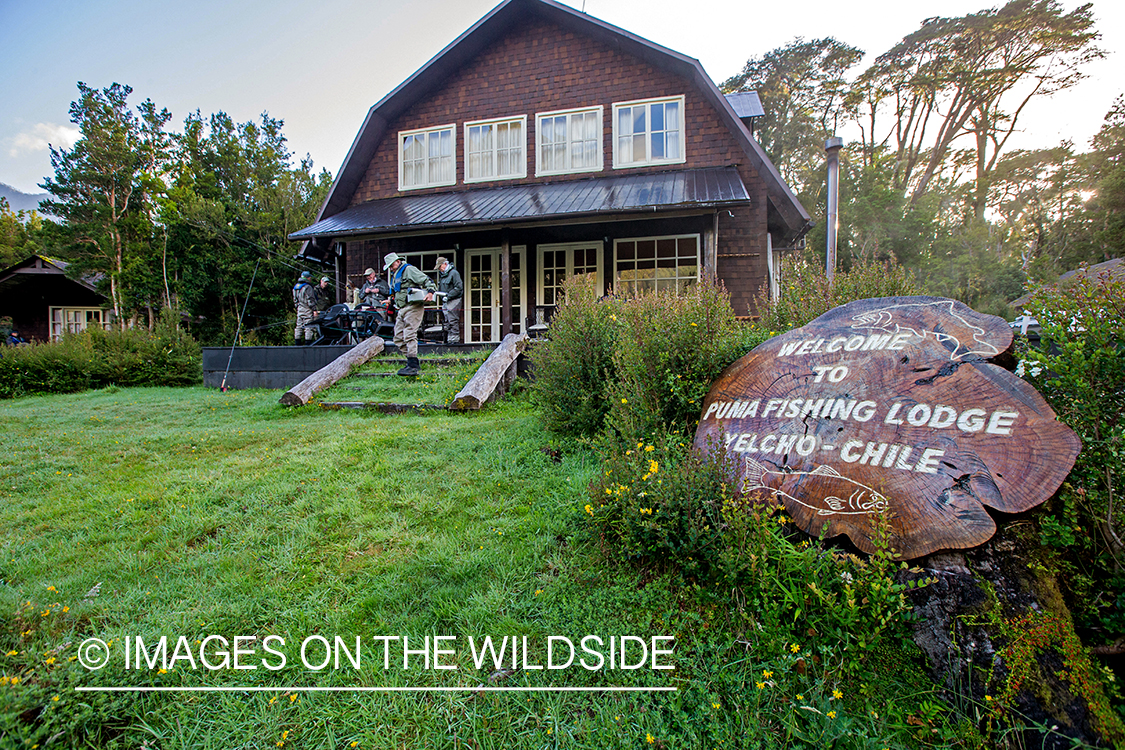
[(544, 143)]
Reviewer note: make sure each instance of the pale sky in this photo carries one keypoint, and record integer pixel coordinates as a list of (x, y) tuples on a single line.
[(319, 66)]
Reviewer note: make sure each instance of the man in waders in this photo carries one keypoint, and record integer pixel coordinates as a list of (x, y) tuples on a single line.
[(412, 290)]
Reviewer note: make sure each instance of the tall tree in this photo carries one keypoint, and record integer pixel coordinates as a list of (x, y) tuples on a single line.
[(802, 87), (971, 77), (104, 186), (235, 198)]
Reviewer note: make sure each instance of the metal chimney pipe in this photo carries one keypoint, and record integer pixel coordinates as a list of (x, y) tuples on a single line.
[(832, 148)]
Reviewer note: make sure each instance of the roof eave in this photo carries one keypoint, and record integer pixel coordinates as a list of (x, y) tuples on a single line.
[(631, 213)]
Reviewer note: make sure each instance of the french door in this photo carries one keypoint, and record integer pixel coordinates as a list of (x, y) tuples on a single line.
[(483, 294)]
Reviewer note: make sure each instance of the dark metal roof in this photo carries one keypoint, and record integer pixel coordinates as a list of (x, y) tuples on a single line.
[(633, 193), (746, 104), (492, 27)]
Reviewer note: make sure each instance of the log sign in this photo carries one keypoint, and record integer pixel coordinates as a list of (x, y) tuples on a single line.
[(890, 405)]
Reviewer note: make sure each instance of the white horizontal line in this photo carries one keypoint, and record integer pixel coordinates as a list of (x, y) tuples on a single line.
[(330, 689)]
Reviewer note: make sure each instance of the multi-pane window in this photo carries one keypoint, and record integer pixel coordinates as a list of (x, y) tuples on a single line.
[(650, 132), (569, 141), (426, 158), (656, 264), (74, 320), (496, 150), (557, 263)]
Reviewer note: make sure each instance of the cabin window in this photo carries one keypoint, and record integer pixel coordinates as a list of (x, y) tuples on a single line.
[(557, 263), (496, 149), (74, 320), (569, 142), (664, 264), (648, 132), (426, 158)]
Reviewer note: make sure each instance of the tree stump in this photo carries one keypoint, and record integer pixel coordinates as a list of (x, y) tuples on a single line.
[(891, 406), (336, 370)]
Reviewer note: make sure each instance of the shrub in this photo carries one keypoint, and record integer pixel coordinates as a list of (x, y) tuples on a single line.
[(666, 504), (1079, 367), (574, 367), (669, 351), (662, 501), (806, 294), (96, 358)]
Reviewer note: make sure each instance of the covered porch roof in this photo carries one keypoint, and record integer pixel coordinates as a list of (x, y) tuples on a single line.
[(530, 203)]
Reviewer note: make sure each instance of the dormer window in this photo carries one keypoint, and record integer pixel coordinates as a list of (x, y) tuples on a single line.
[(496, 149), (426, 157), (648, 132)]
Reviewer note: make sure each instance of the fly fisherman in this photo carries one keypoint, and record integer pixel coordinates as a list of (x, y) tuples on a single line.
[(304, 297), (374, 289), (449, 282), (412, 290)]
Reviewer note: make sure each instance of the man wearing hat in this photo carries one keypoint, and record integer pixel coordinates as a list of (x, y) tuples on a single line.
[(304, 297), (323, 295), (412, 290), (449, 282), (374, 289)]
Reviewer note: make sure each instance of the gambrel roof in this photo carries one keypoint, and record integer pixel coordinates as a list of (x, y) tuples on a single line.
[(795, 220)]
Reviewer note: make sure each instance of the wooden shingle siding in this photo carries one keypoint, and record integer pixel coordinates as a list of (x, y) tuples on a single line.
[(539, 67)]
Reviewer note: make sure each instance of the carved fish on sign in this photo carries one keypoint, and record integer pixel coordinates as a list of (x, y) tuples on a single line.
[(965, 337), (823, 482), (890, 406)]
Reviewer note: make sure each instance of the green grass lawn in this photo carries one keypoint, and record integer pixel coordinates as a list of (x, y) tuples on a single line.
[(190, 512), (376, 383)]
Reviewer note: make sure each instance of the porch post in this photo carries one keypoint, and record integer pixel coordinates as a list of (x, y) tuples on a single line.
[(505, 283), (711, 249)]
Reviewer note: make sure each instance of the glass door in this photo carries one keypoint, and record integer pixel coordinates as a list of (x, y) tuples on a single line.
[(482, 296)]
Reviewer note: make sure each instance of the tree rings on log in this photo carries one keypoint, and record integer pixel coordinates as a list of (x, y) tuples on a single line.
[(890, 406)]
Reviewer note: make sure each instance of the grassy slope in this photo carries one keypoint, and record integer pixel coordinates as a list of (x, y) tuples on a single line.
[(200, 512)]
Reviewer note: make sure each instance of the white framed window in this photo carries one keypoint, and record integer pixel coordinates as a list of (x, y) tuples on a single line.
[(427, 158), (569, 142), (496, 149), (75, 320), (662, 264), (557, 263), (648, 132), (424, 260)]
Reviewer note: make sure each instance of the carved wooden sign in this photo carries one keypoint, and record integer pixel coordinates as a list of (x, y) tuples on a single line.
[(890, 404)]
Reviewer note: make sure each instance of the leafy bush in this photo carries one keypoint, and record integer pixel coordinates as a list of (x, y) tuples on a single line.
[(96, 358), (670, 349), (573, 369), (1079, 367), (806, 293), (665, 503), (661, 501)]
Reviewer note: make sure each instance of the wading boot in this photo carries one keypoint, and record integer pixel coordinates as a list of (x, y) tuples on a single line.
[(411, 369)]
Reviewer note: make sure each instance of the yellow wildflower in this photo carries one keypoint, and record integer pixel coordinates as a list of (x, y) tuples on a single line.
[(837, 694), (767, 673), (795, 648), (649, 738), (831, 714)]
